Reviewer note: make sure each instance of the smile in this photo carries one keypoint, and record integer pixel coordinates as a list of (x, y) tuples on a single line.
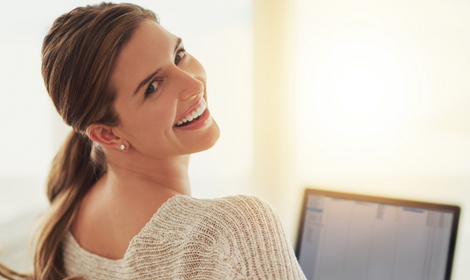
[(193, 115)]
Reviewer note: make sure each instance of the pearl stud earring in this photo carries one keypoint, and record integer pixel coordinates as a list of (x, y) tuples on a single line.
[(123, 147)]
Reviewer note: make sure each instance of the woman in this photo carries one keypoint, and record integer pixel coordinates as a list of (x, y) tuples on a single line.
[(119, 188)]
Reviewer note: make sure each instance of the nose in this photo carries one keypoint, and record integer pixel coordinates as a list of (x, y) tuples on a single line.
[(191, 81)]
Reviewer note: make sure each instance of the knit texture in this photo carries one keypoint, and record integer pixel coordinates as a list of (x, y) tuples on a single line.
[(239, 237)]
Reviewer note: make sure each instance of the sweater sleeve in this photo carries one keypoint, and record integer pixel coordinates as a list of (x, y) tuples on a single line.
[(257, 245)]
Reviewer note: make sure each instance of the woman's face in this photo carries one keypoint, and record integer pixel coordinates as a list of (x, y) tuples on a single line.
[(160, 88)]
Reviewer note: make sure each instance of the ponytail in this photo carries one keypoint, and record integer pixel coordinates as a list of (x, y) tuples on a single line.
[(71, 166)]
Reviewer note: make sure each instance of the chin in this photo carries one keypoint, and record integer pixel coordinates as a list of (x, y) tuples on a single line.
[(211, 136)]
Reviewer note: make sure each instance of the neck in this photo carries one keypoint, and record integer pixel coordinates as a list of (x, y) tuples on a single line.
[(147, 176)]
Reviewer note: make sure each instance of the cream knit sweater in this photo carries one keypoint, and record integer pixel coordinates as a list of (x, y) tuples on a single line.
[(238, 237)]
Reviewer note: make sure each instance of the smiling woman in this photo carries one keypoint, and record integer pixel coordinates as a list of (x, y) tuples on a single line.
[(119, 187), (172, 88)]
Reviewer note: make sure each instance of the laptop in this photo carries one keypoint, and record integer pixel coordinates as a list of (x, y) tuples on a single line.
[(345, 236)]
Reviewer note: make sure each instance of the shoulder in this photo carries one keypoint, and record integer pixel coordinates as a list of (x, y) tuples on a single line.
[(248, 235), (241, 208), (234, 221), (249, 208), (220, 227), (226, 216)]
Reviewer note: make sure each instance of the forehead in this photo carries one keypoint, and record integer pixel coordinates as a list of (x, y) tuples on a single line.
[(150, 47)]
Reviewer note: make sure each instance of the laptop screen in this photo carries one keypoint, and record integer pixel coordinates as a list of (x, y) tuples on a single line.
[(346, 236)]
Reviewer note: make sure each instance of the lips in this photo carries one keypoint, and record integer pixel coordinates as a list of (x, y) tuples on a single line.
[(194, 113)]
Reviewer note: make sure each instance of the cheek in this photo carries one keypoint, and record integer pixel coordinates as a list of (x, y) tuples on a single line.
[(149, 121), (157, 118)]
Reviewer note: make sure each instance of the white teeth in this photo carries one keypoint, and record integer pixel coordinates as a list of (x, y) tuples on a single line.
[(203, 103), (196, 113)]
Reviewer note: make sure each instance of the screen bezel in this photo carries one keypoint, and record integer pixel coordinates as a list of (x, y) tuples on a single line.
[(387, 200)]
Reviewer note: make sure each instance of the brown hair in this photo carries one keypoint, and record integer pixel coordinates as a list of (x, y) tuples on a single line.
[(78, 58)]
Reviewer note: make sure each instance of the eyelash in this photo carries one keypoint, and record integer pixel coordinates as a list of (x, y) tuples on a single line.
[(155, 88), (182, 50)]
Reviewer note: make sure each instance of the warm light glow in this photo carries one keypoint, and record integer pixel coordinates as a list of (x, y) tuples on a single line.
[(360, 90), (381, 90), (366, 89)]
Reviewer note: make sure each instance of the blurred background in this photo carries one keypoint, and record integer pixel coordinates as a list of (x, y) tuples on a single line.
[(369, 97)]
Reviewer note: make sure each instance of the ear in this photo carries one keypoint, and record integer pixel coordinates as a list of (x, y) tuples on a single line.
[(104, 135)]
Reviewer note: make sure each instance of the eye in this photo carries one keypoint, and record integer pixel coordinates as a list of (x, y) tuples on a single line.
[(151, 88), (180, 55)]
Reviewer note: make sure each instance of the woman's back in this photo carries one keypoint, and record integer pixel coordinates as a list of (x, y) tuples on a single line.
[(237, 237)]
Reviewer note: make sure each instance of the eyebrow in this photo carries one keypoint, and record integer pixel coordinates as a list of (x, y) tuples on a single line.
[(149, 77), (178, 43)]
